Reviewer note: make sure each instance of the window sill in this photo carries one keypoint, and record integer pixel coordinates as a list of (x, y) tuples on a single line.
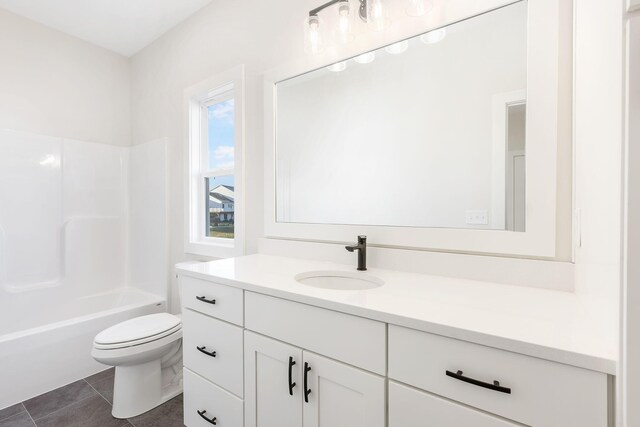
[(214, 250)]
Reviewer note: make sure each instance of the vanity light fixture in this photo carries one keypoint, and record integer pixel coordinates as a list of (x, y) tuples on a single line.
[(365, 58), (435, 36), (337, 67), (343, 33), (373, 13), (343, 30), (398, 48), (418, 7), (377, 14), (313, 35)]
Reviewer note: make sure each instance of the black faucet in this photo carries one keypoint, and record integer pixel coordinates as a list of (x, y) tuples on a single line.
[(361, 247)]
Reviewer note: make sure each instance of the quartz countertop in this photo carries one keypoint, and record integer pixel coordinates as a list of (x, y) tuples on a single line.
[(553, 325)]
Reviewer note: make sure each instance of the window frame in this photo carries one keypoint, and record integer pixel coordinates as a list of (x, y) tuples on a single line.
[(219, 88)]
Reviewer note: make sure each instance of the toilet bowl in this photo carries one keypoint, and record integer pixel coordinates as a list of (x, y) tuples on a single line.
[(147, 354)]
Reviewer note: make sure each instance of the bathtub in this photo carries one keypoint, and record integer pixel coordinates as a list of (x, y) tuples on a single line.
[(45, 345)]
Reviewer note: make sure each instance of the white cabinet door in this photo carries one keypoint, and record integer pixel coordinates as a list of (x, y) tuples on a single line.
[(273, 383), (338, 395), (409, 407)]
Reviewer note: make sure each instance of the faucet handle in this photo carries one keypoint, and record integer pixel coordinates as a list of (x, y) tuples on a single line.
[(362, 239)]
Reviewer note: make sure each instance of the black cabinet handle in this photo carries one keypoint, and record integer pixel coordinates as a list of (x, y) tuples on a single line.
[(204, 299), (495, 386), (208, 353), (209, 420), (291, 383), (307, 391)]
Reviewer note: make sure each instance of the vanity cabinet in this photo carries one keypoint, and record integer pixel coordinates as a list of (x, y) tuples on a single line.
[(290, 387), (257, 360)]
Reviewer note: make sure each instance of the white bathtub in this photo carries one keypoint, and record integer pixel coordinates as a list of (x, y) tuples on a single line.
[(47, 345)]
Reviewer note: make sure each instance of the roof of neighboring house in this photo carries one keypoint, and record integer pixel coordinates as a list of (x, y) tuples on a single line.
[(226, 190), (220, 198)]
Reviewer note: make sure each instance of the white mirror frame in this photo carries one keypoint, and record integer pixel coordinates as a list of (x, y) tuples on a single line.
[(545, 30)]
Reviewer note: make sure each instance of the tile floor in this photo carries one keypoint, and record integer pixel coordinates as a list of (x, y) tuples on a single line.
[(86, 403)]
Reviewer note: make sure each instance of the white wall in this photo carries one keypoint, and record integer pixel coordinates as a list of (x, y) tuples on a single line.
[(57, 85), (222, 35)]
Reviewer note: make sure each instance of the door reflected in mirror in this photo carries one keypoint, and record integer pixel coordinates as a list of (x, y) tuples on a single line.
[(430, 135)]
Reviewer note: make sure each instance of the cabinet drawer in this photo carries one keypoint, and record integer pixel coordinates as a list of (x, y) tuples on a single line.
[(409, 407), (223, 302), (351, 339), (201, 395), (219, 338), (542, 393)]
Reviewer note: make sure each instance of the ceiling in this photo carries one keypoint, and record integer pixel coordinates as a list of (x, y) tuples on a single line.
[(123, 26)]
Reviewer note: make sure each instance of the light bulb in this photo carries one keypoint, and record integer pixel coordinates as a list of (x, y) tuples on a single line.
[(343, 31), (378, 15), (337, 67), (398, 48), (313, 35), (418, 7), (365, 58), (434, 36)]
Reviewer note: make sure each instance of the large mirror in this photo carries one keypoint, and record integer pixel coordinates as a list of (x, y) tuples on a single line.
[(428, 132)]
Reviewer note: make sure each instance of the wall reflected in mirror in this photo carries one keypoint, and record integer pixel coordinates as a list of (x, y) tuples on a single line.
[(428, 132)]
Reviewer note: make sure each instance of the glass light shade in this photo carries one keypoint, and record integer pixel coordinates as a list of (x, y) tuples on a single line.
[(418, 7), (398, 48), (343, 32), (378, 14), (337, 67), (365, 58), (313, 35), (434, 36)]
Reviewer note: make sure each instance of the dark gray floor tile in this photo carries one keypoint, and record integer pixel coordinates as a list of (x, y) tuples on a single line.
[(57, 399), (11, 411), (20, 420), (101, 376), (91, 412), (169, 414), (105, 388)]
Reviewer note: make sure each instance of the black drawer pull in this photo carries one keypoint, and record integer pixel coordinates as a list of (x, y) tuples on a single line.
[(204, 299), (495, 386), (209, 420), (203, 349), (291, 383), (307, 391)]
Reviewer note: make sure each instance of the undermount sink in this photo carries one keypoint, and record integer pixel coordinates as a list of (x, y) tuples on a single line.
[(339, 280)]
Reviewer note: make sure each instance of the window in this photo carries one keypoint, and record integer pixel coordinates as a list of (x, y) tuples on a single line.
[(214, 225)]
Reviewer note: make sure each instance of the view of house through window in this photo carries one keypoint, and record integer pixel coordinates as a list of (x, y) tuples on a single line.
[(221, 206), (219, 182)]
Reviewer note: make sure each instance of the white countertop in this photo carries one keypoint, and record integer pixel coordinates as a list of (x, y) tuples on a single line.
[(553, 325)]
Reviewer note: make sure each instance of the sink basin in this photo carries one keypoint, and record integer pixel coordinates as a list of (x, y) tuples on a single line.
[(339, 280)]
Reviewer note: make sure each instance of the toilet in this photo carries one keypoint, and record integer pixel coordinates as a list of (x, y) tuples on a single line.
[(147, 354)]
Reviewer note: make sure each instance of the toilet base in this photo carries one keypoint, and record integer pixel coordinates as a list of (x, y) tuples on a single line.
[(140, 388)]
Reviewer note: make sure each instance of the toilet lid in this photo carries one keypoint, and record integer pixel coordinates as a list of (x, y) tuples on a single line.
[(145, 328)]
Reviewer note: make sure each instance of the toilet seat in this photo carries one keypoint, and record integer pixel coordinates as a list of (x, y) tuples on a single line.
[(138, 331)]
